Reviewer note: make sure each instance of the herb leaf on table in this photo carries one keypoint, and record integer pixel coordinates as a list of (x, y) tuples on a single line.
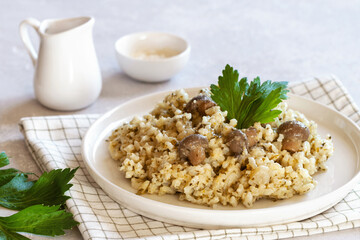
[(17, 192), (37, 219), (248, 103), (39, 201), (6, 175), (49, 189), (4, 160)]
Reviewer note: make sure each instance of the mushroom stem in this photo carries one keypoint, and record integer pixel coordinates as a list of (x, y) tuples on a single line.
[(251, 135), (196, 156)]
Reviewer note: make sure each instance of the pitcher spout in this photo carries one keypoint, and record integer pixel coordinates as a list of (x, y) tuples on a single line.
[(58, 26)]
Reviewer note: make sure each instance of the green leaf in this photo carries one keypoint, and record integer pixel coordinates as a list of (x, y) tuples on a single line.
[(14, 190), (17, 192), (37, 219), (248, 103), (5, 234), (4, 160), (49, 189), (7, 174)]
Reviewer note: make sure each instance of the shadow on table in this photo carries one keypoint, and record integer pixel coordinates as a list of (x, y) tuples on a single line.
[(119, 85), (27, 108)]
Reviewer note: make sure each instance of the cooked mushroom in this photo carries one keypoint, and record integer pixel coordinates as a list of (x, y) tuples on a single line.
[(236, 140), (193, 148), (295, 133), (251, 135), (199, 104)]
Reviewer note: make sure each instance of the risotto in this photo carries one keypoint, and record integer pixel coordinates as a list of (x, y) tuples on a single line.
[(149, 154)]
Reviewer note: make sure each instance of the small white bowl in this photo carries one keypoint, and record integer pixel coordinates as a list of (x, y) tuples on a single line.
[(152, 56)]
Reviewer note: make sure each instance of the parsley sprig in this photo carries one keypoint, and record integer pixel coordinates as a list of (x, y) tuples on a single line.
[(40, 202), (248, 103), (37, 219)]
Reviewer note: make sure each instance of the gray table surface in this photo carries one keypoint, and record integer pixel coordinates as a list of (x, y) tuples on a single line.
[(277, 40)]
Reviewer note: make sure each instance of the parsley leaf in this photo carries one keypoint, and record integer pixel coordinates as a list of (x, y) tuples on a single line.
[(248, 103), (37, 219), (49, 189), (17, 192), (6, 175), (4, 160), (5, 234)]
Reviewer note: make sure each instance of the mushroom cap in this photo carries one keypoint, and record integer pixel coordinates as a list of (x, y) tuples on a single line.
[(294, 129), (193, 148), (295, 133), (199, 104), (236, 140)]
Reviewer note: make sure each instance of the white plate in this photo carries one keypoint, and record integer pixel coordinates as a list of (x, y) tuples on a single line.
[(342, 175)]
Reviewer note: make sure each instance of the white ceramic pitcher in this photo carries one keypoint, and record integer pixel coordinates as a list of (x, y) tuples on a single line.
[(67, 74)]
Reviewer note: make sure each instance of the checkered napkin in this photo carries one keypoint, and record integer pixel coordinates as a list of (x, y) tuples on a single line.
[(55, 142)]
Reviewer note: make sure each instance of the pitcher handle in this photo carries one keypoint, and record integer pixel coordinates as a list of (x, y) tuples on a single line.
[(24, 34)]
